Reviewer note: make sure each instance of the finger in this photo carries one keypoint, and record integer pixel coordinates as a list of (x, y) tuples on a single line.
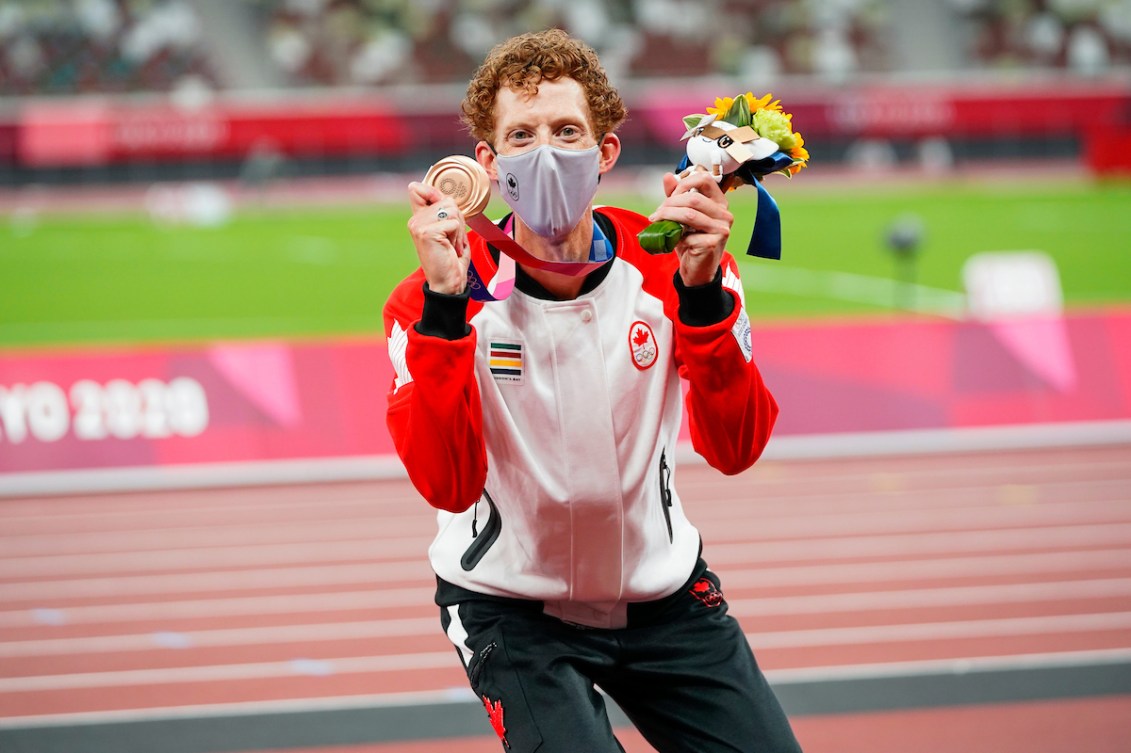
[(461, 243), (697, 215), (701, 182), (421, 195), (671, 182)]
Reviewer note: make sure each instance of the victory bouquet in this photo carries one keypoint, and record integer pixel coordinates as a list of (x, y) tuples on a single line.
[(738, 141)]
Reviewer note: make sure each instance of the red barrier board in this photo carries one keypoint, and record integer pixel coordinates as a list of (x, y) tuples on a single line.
[(221, 403), (234, 402), (1058, 109), (1107, 149), (99, 132), (935, 374), (105, 132)]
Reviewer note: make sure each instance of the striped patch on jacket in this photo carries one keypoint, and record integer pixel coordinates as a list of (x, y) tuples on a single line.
[(505, 361)]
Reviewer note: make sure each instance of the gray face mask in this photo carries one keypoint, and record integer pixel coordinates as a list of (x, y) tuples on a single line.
[(549, 187)]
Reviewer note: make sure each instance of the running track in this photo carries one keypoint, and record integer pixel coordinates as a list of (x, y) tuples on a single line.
[(954, 602)]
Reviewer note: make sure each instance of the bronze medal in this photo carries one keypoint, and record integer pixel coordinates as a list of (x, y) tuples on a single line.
[(464, 180)]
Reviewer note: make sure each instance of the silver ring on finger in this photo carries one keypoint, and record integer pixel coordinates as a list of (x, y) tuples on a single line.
[(442, 214)]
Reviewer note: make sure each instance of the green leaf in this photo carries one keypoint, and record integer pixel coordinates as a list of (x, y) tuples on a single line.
[(690, 121), (739, 112), (660, 237)]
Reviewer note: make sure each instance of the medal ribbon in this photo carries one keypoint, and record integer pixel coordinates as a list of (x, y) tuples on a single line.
[(499, 285)]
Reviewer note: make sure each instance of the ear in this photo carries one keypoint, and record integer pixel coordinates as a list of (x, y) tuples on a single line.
[(485, 156), (610, 152)]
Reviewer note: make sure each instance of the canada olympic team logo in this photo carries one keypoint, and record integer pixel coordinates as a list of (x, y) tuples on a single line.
[(642, 345)]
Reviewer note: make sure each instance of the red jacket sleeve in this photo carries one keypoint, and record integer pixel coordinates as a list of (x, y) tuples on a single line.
[(731, 412), (434, 414)]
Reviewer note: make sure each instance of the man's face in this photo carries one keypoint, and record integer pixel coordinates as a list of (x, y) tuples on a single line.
[(558, 115)]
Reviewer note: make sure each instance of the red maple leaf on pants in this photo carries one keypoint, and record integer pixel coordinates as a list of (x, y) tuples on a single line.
[(495, 714)]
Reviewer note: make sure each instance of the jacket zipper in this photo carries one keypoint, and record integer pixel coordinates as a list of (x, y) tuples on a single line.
[(666, 492), (481, 541)]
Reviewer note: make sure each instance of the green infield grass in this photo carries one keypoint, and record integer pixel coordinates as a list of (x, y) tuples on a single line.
[(309, 272)]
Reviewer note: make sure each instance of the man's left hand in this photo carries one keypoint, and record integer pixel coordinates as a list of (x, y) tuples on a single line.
[(697, 203)]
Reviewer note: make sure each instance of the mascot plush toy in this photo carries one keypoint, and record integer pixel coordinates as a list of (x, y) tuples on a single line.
[(738, 141)]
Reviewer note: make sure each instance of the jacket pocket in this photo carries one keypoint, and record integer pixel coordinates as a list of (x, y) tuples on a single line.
[(666, 492), (500, 689), (482, 540)]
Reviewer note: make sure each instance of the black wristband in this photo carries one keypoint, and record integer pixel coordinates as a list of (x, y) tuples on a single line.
[(444, 315), (703, 305)]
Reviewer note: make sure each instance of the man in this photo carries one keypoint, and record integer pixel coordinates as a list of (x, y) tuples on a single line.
[(543, 428)]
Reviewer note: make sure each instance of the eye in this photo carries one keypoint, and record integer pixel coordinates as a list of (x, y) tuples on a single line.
[(570, 132)]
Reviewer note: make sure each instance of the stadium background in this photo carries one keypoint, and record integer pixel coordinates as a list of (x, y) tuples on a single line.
[(206, 545)]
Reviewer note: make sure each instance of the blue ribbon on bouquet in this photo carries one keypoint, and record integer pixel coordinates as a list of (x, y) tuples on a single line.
[(765, 239)]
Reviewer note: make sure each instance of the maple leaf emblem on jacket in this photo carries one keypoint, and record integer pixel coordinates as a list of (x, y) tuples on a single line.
[(706, 591), (642, 345), (495, 715)]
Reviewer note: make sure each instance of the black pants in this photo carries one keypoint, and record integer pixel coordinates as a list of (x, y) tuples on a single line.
[(682, 671)]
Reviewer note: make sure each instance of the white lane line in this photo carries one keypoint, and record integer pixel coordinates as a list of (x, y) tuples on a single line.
[(154, 515), (878, 634), (203, 476), (941, 441), (226, 672), (451, 695), (980, 566), (369, 526), (375, 468), (462, 694), (270, 578), (235, 556), (742, 565), (939, 667), (168, 508), (1005, 539), (228, 637), (166, 611), (865, 522), (790, 503), (882, 292), (944, 631), (891, 493), (47, 553), (1043, 564), (760, 608), (919, 598), (956, 529), (761, 543), (902, 475)]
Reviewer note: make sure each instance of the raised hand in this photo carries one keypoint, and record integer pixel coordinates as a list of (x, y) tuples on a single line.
[(697, 203), (439, 234)]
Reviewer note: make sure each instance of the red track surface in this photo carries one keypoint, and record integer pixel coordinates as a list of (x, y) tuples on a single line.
[(173, 600)]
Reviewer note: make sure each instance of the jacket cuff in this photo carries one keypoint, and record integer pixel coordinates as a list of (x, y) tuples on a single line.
[(444, 315), (703, 305)]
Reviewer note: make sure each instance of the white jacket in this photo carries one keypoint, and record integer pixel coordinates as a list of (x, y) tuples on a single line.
[(546, 434)]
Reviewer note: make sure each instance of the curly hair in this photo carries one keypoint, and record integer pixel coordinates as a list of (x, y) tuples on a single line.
[(522, 62)]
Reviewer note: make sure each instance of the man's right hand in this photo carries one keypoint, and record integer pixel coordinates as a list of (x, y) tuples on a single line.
[(440, 241)]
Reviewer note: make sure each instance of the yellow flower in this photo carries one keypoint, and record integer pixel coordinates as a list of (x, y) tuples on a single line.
[(722, 104), (782, 121), (798, 152), (764, 103)]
